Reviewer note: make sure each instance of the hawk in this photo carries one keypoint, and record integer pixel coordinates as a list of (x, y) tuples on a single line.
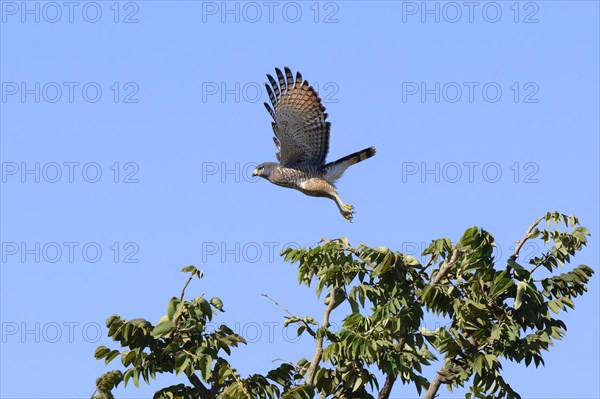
[(302, 141)]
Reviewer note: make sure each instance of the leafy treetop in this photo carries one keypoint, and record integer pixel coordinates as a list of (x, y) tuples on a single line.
[(496, 313)]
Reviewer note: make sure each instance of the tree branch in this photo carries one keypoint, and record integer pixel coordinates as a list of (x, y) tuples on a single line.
[(390, 379), (439, 378), (239, 382), (202, 390), (444, 376), (527, 236), (434, 386), (169, 335), (386, 389), (429, 262), (308, 329), (310, 373), (444, 269), (185, 286)]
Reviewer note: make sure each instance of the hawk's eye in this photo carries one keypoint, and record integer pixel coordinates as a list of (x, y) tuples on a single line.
[(261, 169)]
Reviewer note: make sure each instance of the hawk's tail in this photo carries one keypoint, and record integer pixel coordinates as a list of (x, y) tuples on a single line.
[(334, 170)]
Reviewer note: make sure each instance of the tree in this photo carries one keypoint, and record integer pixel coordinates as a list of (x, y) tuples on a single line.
[(495, 314)]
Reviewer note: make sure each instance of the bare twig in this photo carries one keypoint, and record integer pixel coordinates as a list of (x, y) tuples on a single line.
[(277, 304), (185, 286), (308, 329), (310, 373)]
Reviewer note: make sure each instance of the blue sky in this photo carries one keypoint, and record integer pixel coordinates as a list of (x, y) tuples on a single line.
[(130, 131)]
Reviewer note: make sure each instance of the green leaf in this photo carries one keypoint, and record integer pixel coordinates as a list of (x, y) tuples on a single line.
[(478, 364), (111, 356), (101, 352), (205, 367), (468, 236), (204, 307), (300, 330), (181, 362), (192, 269), (128, 357), (501, 286), (521, 286), (411, 261), (128, 374), (568, 302), (382, 250), (174, 309), (290, 320), (136, 378), (164, 327), (217, 303), (357, 384), (491, 359)]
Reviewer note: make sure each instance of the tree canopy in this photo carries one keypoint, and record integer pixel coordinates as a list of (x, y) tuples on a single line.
[(496, 312)]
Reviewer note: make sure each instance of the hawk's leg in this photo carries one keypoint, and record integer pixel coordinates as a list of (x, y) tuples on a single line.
[(346, 210)]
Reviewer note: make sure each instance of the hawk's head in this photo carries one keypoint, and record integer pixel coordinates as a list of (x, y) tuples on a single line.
[(265, 170)]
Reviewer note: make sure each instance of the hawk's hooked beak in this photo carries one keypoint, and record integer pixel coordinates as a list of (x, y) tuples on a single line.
[(256, 172)]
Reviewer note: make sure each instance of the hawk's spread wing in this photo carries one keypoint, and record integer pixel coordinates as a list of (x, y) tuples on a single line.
[(301, 132)]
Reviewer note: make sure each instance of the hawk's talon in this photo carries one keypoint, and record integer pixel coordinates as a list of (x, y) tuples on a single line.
[(348, 215), (349, 208)]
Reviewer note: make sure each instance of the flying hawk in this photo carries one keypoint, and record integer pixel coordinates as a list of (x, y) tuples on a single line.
[(302, 140)]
